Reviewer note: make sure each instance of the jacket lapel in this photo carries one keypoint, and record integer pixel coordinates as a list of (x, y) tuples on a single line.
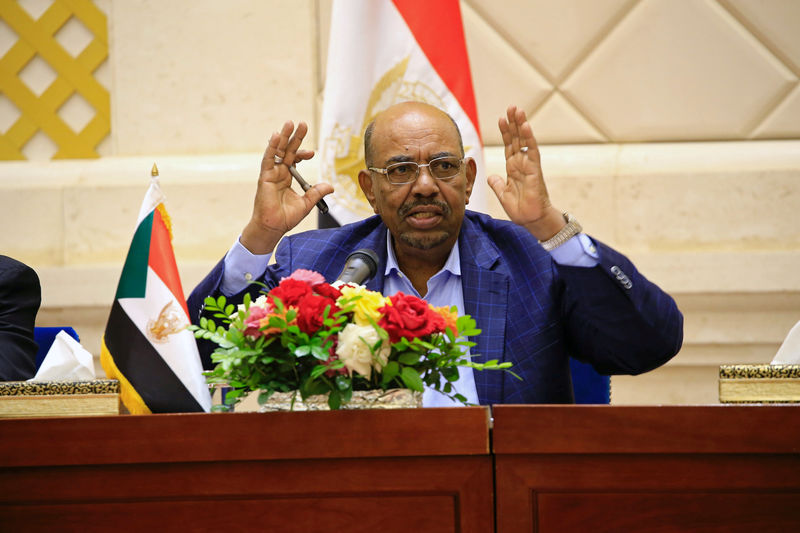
[(485, 288)]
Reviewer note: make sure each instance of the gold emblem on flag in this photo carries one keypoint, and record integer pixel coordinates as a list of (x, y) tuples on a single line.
[(170, 320), (347, 149)]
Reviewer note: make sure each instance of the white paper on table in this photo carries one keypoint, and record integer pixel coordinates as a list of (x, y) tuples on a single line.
[(66, 360), (789, 352)]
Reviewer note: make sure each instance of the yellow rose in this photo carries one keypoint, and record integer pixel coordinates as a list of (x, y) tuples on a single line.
[(364, 301)]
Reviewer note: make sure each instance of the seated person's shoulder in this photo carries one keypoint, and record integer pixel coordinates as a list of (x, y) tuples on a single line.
[(16, 271)]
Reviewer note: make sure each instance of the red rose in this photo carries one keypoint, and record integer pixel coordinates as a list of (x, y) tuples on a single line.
[(310, 310), (409, 317), (328, 291), (290, 291)]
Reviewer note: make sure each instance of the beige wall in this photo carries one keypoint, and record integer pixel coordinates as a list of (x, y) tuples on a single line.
[(671, 128)]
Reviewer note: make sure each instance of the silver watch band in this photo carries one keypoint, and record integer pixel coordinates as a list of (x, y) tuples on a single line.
[(572, 228)]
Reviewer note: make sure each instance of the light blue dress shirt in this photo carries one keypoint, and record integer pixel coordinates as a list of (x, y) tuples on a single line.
[(444, 290)]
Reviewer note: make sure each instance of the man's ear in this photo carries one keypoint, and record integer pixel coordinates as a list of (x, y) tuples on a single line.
[(365, 181), (470, 171)]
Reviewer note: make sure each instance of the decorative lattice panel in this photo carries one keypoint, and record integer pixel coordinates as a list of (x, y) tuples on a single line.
[(45, 77)]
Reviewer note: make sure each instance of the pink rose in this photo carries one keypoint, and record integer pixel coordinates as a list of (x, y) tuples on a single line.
[(308, 276), (253, 321)]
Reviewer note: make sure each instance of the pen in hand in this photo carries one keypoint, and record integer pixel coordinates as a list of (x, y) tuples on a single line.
[(321, 205)]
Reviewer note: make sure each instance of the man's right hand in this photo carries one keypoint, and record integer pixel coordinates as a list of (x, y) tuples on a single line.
[(277, 208)]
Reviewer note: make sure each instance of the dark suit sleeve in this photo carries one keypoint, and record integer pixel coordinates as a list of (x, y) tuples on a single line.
[(20, 297), (617, 320)]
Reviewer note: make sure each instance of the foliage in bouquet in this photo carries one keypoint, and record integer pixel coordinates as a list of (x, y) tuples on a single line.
[(311, 337)]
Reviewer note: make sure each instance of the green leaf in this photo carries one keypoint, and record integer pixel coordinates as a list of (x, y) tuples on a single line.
[(390, 371), (320, 353), (334, 400), (347, 394), (409, 358), (302, 351), (411, 379), (318, 370), (342, 382), (450, 374), (264, 397)]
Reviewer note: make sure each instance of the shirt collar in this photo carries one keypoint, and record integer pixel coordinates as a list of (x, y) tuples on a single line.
[(452, 265)]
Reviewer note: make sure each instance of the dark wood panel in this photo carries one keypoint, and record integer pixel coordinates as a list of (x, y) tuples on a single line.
[(244, 436), (668, 429), (416, 470), (701, 512), (646, 468), (599, 472), (291, 478), (366, 514)]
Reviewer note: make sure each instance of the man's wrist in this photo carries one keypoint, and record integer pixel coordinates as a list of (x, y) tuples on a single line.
[(258, 240), (571, 228)]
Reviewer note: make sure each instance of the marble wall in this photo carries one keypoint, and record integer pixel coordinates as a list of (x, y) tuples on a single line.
[(670, 128)]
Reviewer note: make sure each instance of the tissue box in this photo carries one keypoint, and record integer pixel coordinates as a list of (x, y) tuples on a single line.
[(759, 383), (20, 399)]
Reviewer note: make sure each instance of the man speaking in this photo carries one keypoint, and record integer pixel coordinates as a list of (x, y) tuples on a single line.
[(539, 289)]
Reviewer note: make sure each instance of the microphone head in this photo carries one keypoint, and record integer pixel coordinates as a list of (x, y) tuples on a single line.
[(359, 266)]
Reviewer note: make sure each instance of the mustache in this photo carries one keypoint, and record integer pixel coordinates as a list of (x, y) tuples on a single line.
[(405, 208)]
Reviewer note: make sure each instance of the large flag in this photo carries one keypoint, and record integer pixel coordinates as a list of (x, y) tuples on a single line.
[(146, 345), (383, 52)]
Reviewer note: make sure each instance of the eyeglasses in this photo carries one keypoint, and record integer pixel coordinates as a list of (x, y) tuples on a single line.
[(441, 168)]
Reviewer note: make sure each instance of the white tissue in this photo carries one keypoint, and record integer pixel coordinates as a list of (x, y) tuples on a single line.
[(789, 352), (66, 360)]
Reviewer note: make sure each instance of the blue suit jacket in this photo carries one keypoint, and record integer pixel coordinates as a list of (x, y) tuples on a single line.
[(532, 312)]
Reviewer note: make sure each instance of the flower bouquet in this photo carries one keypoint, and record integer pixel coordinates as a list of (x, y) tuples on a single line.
[(308, 337)]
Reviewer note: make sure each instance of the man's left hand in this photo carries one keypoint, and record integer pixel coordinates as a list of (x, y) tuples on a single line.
[(523, 194)]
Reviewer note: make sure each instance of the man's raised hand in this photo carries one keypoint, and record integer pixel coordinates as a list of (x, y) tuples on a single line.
[(523, 193), (277, 208)]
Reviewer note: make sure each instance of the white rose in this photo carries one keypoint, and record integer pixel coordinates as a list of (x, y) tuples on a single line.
[(354, 349)]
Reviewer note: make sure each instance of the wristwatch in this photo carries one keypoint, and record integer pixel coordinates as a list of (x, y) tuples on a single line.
[(572, 228)]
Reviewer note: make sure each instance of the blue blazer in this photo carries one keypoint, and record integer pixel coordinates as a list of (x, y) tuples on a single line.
[(532, 312)]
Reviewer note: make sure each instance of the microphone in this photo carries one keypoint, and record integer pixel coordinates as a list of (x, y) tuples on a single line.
[(359, 267)]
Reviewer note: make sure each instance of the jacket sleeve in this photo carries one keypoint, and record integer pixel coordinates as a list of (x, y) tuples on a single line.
[(616, 319)]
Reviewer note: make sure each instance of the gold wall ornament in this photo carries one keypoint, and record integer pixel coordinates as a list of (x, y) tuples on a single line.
[(345, 149), (37, 41)]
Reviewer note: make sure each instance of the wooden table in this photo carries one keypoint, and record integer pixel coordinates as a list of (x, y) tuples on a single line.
[(555, 468), (682, 468), (372, 471)]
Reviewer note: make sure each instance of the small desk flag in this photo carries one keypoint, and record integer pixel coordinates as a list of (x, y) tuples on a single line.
[(146, 345)]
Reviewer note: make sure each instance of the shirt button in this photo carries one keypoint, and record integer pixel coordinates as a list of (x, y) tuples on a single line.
[(248, 276)]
